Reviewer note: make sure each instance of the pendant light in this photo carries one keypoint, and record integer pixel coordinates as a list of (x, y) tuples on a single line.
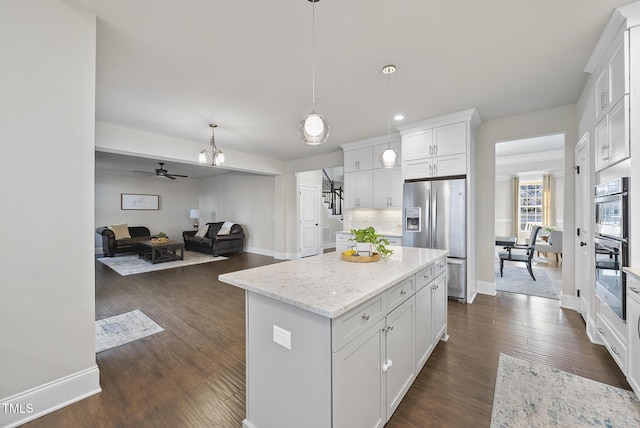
[(314, 128), (215, 157), (389, 157)]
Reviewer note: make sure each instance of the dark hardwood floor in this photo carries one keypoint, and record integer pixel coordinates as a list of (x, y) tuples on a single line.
[(192, 374)]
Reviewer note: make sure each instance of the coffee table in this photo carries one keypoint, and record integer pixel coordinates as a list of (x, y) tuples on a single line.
[(159, 253)]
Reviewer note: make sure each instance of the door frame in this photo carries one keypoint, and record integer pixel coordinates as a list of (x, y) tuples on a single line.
[(316, 192)]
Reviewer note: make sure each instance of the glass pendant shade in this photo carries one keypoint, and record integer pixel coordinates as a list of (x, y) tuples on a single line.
[(202, 157), (314, 129), (215, 157), (389, 158)]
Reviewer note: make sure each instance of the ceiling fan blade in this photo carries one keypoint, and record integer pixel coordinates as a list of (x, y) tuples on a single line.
[(178, 175), (169, 176)]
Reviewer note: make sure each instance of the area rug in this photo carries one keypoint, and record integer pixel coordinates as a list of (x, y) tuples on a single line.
[(516, 279), (130, 264), (531, 395), (124, 328)]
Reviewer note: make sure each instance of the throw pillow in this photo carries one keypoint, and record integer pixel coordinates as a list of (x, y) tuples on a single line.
[(202, 232), (226, 228), (120, 230)]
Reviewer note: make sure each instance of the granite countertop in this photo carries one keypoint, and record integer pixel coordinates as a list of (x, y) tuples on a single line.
[(326, 284), (632, 271)]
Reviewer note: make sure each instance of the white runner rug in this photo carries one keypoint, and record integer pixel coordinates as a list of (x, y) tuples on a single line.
[(120, 329)]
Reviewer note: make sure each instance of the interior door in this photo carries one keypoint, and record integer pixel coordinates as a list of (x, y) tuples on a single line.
[(309, 201), (584, 241)]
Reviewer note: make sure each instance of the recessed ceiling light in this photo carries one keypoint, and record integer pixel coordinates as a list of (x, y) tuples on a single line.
[(398, 117)]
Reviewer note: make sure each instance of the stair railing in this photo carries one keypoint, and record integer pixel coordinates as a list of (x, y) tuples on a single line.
[(332, 195)]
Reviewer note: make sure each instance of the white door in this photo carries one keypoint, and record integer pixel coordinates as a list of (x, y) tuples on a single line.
[(584, 268), (309, 200)]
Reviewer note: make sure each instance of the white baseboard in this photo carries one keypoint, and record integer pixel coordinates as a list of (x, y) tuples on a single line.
[(488, 288), (34, 403), (570, 302)]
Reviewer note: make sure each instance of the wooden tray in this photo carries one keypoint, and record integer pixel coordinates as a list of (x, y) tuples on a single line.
[(361, 259)]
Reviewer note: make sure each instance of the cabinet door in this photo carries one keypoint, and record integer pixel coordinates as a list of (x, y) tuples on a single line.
[(602, 144), (633, 322), (602, 93), (358, 159), (381, 188), (449, 165), (422, 168), (417, 145), (619, 131), (424, 326), (450, 139), (400, 342), (359, 382), (365, 189), (618, 66), (439, 307), (395, 187), (351, 190)]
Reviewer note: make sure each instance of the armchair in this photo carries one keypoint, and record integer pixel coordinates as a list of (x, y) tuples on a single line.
[(513, 255), (554, 245)]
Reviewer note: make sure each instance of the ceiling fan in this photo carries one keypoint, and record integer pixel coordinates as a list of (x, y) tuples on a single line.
[(161, 172)]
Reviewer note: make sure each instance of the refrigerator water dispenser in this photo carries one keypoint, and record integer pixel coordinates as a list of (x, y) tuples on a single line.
[(412, 219)]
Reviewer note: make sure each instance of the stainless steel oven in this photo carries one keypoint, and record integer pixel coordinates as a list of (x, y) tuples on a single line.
[(611, 209), (611, 256)]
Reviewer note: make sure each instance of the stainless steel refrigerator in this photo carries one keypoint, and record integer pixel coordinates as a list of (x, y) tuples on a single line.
[(434, 216)]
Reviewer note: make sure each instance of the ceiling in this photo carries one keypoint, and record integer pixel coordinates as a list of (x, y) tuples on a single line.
[(171, 67)]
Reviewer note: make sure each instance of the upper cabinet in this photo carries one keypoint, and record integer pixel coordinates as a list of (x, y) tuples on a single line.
[(367, 184), (438, 147), (612, 77)]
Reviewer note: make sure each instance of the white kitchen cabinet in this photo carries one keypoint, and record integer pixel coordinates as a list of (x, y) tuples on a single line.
[(613, 332), (612, 81), (387, 188), (612, 136), (450, 139), (633, 325), (441, 166), (417, 145), (358, 159), (342, 241), (431, 311), (358, 189)]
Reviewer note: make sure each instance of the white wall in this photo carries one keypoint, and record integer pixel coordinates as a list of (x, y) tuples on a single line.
[(247, 199), (47, 110), (176, 198), (503, 207), (550, 121)]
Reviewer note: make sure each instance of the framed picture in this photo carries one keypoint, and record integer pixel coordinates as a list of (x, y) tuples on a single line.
[(139, 202)]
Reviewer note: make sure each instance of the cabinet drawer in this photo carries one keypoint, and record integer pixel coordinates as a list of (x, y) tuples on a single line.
[(615, 344), (349, 325), (424, 276), (342, 237), (399, 293), (440, 266)]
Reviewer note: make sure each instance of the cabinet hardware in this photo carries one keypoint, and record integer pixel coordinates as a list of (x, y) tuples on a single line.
[(403, 292), (582, 244), (638, 327), (435, 170), (435, 150), (431, 150), (604, 100), (615, 351), (387, 365), (635, 290), (365, 317), (601, 331)]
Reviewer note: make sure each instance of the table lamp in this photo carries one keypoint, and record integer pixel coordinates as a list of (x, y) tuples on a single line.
[(194, 214)]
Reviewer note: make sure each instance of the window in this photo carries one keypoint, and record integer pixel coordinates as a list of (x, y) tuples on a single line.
[(530, 204)]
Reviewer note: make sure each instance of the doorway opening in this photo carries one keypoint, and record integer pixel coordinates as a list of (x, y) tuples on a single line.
[(529, 215)]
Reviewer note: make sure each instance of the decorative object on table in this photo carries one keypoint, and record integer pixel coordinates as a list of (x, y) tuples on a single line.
[(214, 157), (389, 157), (131, 264), (124, 328), (373, 242), (531, 394), (139, 202), (314, 128), (352, 256), (160, 238), (194, 214)]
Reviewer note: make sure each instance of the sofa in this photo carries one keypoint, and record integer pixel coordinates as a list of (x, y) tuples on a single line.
[(214, 243), (112, 245)]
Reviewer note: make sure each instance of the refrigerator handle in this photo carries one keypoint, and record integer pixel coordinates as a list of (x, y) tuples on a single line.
[(434, 218)]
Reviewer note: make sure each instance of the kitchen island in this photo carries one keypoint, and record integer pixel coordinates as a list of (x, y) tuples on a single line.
[(338, 344)]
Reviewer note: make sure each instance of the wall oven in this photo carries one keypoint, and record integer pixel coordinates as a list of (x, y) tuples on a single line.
[(611, 240)]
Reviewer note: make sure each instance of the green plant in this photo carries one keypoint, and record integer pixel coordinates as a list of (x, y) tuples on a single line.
[(549, 229), (370, 235), (161, 235)]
